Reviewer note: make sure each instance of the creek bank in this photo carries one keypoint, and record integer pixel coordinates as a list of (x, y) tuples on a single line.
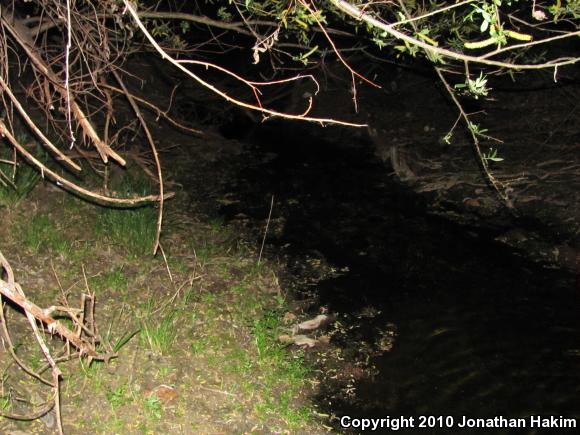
[(536, 125), (408, 267), (533, 119), (404, 285), (532, 124)]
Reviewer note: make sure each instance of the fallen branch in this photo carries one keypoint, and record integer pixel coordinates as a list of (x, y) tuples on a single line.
[(13, 291), (36, 316)]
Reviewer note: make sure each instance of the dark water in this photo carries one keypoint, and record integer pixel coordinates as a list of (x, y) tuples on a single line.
[(480, 332)]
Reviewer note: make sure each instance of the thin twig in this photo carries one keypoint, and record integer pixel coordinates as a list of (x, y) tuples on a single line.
[(266, 230), (151, 142), (268, 112)]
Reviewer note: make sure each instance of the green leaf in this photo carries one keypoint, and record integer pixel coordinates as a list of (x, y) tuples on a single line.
[(484, 26)]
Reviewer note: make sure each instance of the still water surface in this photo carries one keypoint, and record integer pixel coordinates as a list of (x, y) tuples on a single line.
[(481, 333)]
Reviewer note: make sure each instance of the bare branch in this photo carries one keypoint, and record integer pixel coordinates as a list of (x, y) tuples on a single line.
[(129, 7)]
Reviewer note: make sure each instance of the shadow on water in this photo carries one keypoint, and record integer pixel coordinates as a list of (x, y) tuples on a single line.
[(480, 332)]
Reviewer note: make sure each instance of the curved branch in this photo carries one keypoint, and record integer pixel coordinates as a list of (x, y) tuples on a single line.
[(154, 108), (200, 19), (35, 129), (360, 15), (129, 7), (101, 199), (151, 142)]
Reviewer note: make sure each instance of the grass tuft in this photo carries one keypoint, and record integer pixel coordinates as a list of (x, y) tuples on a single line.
[(118, 397), (134, 229), (41, 234), (158, 331), (16, 185), (153, 407)]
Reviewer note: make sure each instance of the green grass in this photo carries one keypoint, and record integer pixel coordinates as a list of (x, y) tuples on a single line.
[(265, 332), (40, 233), (94, 373), (217, 223), (123, 340), (132, 229), (153, 408), (158, 330), (16, 185), (238, 361), (199, 345), (263, 368), (225, 323), (204, 251), (5, 403), (119, 396), (178, 265), (114, 280), (283, 374), (23, 183), (163, 371), (214, 243)]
